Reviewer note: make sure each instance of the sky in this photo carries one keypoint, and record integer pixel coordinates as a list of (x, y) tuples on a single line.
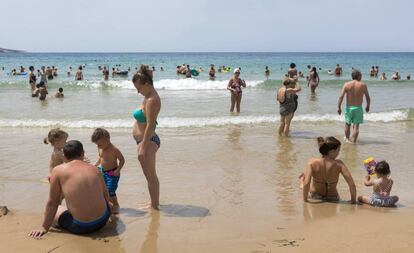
[(207, 25)]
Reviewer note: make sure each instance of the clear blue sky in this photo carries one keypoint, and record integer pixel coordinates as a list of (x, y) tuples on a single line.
[(207, 25)]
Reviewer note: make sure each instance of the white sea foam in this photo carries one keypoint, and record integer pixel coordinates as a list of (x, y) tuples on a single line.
[(176, 122), (167, 84)]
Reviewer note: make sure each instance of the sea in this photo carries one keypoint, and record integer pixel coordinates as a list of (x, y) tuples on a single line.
[(197, 102), (225, 162)]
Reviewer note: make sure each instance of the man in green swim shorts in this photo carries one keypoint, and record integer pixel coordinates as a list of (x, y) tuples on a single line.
[(354, 114)]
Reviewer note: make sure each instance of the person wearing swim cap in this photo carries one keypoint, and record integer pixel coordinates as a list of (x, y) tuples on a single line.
[(235, 87)]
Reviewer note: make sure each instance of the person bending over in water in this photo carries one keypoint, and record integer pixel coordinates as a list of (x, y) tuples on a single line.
[(381, 187), (354, 114), (235, 87), (383, 77), (110, 163), (322, 174), (87, 200), (288, 104), (143, 132)]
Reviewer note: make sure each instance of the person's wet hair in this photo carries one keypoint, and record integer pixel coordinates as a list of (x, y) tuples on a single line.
[(327, 144), (292, 65), (73, 149), (55, 135), (31, 68), (356, 75), (287, 82), (382, 168), (100, 133), (80, 68), (143, 76), (60, 90)]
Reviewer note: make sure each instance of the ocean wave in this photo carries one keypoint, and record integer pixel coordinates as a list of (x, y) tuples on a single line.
[(176, 122), (166, 84)]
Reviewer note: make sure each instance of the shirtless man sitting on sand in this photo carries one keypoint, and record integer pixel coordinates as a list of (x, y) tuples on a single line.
[(87, 200), (354, 114)]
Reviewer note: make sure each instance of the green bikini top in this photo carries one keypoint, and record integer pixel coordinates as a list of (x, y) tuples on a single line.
[(139, 115)]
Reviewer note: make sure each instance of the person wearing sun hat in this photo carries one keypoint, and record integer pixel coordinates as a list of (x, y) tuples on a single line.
[(235, 87)]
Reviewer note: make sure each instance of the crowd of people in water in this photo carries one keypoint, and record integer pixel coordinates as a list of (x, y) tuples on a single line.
[(89, 189)]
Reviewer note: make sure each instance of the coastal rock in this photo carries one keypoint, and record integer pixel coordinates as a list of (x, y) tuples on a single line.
[(5, 50), (3, 211)]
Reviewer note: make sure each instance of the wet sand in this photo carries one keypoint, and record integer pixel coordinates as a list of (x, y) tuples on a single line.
[(229, 189)]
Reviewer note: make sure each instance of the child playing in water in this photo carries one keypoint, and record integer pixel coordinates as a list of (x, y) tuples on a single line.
[(110, 163), (57, 138), (381, 187), (59, 94)]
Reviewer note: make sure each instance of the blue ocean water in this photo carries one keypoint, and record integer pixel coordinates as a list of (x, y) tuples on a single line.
[(196, 102)]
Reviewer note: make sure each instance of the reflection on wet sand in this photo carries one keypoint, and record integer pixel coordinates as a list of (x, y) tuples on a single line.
[(151, 239), (232, 190), (233, 137), (322, 210), (285, 176)]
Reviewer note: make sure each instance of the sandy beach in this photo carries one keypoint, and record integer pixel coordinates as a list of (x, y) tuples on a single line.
[(222, 190)]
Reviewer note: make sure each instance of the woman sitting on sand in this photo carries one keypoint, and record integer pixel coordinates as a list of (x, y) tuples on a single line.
[(324, 173)]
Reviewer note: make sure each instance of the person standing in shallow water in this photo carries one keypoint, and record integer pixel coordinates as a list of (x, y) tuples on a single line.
[(79, 74), (313, 80), (144, 134), (355, 91), (235, 87), (288, 104)]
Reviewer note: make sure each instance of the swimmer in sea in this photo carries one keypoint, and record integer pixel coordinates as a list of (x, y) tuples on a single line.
[(212, 72), (267, 72), (292, 71), (383, 77), (79, 74), (59, 94), (396, 76), (338, 70)]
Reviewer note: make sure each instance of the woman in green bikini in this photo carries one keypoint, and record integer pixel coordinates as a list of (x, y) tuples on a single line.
[(144, 134)]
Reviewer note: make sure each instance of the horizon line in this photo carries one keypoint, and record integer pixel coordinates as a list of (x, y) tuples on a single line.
[(189, 52)]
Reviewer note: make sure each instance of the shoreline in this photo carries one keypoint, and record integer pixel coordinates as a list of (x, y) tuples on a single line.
[(228, 189)]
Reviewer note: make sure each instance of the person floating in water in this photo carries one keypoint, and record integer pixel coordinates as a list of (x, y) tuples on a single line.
[(355, 91)]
